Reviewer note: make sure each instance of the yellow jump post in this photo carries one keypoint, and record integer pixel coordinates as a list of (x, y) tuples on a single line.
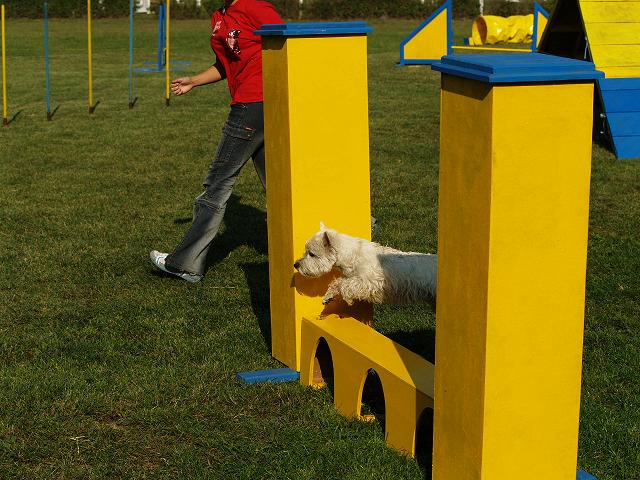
[(515, 161), (5, 119), (317, 154), (92, 107)]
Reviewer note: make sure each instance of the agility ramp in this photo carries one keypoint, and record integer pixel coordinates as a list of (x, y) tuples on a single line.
[(433, 38), (608, 34), (354, 350)]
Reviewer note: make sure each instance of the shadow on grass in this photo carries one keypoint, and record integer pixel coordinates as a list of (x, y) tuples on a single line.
[(257, 277), (424, 443), (14, 118)]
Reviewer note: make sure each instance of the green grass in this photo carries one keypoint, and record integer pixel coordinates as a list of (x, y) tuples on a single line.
[(108, 370)]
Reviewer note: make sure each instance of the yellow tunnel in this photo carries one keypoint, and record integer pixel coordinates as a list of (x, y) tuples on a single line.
[(491, 29)]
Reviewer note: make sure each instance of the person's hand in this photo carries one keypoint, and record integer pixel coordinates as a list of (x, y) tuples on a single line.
[(183, 85)]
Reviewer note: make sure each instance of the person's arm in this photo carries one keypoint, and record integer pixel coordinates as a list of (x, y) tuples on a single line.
[(183, 85)]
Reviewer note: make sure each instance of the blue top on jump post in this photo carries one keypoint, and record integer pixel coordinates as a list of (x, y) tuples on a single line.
[(507, 68), (314, 29)]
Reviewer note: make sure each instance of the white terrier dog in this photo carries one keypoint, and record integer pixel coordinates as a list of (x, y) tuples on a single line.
[(370, 272)]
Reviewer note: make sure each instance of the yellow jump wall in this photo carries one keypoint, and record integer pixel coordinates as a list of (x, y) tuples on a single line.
[(513, 219), (317, 154)]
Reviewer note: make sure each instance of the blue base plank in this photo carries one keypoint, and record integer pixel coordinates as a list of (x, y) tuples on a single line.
[(582, 475), (279, 375)]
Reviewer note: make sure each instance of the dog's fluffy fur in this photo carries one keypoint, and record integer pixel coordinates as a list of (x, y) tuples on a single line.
[(369, 272)]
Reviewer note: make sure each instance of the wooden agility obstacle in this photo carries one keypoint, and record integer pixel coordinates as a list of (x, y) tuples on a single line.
[(317, 146), (356, 349), (512, 249)]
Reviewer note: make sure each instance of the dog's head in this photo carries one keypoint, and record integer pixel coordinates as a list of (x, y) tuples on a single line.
[(320, 254)]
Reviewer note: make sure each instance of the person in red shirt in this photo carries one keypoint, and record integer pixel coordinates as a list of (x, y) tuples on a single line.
[(238, 59)]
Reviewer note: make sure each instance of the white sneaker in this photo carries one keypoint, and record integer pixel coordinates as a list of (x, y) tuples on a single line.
[(158, 258)]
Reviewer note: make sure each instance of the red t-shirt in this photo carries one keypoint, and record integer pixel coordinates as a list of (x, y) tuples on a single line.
[(238, 51)]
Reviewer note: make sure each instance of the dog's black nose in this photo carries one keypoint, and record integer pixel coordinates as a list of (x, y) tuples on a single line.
[(296, 265)]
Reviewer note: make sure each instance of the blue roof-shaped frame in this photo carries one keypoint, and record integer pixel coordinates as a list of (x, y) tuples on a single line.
[(448, 5), (504, 68), (314, 29), (537, 8)]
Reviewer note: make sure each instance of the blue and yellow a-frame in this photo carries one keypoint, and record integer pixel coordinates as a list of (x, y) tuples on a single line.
[(607, 34)]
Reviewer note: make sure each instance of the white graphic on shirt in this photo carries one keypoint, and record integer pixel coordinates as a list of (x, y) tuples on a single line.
[(216, 28), (233, 41)]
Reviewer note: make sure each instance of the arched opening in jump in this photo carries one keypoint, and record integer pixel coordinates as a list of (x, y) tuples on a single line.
[(323, 366), (372, 406), (424, 441)]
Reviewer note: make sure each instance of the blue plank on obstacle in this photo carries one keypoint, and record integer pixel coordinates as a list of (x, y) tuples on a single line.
[(582, 475), (621, 100), (607, 84), (279, 375), (621, 105), (627, 147), (625, 124)]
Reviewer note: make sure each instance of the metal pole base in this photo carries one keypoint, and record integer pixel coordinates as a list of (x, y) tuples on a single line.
[(49, 116), (167, 101), (5, 121), (92, 109)]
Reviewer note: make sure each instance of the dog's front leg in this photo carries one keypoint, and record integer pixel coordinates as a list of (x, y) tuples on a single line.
[(357, 289), (332, 291)]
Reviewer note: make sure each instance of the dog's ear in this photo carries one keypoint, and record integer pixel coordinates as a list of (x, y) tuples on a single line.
[(328, 239), (322, 227)]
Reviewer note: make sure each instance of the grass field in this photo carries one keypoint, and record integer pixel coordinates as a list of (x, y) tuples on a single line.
[(109, 370)]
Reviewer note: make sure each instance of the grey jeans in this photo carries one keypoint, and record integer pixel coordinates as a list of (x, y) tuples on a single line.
[(242, 138)]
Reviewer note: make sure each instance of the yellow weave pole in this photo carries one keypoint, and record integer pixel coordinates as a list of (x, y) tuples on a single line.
[(5, 120), (90, 52), (168, 52)]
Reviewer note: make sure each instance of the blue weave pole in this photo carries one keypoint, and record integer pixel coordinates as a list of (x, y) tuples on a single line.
[(46, 61), (131, 100), (160, 61), (162, 36)]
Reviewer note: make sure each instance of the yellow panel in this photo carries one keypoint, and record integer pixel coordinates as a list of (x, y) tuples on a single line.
[(406, 378), (616, 55), (537, 268), (613, 33), (542, 25), (431, 42), (317, 151), (605, 12), (621, 72), (511, 295)]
